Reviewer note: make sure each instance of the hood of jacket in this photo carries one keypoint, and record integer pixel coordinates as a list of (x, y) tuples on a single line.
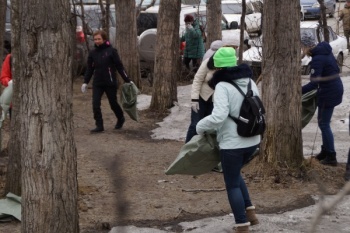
[(322, 48), (230, 74), (215, 45)]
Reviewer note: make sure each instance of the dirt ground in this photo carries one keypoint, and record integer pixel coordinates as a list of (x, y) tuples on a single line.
[(122, 181)]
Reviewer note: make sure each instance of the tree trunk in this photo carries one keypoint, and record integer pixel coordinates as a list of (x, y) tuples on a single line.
[(13, 175), (167, 56), (126, 39), (3, 5), (241, 37), (214, 13), (281, 86), (323, 21), (49, 158)]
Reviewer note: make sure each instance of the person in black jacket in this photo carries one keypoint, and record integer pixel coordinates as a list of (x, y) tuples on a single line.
[(103, 62)]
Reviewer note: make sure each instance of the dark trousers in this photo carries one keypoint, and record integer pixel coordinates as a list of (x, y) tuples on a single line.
[(196, 62), (111, 93), (205, 109), (347, 35)]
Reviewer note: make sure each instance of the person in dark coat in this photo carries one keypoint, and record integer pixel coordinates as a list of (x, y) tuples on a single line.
[(103, 62), (194, 48), (325, 78)]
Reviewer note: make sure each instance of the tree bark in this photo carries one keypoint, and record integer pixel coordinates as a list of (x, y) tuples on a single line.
[(214, 13), (167, 56), (3, 5), (323, 21), (49, 158), (126, 39), (13, 175), (241, 37), (281, 86)]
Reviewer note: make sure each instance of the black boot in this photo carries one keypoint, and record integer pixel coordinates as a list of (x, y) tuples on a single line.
[(120, 123), (98, 129), (331, 159), (347, 173), (322, 155)]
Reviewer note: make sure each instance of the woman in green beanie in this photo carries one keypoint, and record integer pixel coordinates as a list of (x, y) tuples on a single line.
[(235, 150)]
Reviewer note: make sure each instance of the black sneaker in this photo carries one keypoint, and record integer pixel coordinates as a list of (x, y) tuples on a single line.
[(120, 123), (97, 130)]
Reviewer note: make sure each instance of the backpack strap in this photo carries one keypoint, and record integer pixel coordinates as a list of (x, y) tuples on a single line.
[(249, 93)]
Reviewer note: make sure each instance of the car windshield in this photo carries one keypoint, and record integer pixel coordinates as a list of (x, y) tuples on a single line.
[(312, 30), (234, 8), (86, 1)]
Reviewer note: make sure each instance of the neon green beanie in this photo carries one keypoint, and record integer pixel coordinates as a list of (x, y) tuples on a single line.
[(225, 57)]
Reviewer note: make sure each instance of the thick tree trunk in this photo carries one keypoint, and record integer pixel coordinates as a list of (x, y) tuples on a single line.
[(167, 55), (126, 39), (214, 13), (3, 5), (13, 175), (281, 86), (49, 159)]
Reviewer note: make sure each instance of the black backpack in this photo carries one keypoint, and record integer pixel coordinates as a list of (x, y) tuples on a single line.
[(251, 120)]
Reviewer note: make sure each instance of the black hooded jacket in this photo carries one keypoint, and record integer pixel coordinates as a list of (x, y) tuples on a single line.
[(230, 74), (103, 62)]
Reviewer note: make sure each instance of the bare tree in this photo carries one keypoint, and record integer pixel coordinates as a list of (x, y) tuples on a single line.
[(167, 56), (3, 5), (281, 86), (13, 175), (126, 38), (323, 21), (324, 206), (241, 38), (49, 159), (214, 13)]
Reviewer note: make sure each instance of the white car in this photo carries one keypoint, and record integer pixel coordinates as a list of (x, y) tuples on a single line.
[(253, 56), (232, 10), (147, 39)]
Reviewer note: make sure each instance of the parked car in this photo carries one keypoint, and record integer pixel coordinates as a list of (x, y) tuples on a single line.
[(312, 9), (253, 56), (147, 39), (232, 10)]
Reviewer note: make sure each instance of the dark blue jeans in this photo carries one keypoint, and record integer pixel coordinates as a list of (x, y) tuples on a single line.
[(205, 109), (324, 120), (232, 162)]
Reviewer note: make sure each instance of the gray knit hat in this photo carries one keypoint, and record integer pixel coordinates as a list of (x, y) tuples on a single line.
[(215, 45), (307, 39)]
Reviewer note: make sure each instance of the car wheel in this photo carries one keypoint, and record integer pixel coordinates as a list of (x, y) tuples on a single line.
[(340, 61)]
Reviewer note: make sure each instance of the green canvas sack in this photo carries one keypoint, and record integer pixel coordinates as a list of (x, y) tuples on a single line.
[(198, 156), (309, 106), (129, 100)]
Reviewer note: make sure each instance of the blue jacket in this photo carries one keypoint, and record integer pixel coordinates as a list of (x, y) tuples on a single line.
[(227, 100), (325, 77)]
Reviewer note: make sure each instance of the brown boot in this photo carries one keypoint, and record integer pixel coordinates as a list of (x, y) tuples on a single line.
[(250, 212), (242, 227)]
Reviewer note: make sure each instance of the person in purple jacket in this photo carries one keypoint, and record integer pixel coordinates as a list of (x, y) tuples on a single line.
[(325, 78)]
